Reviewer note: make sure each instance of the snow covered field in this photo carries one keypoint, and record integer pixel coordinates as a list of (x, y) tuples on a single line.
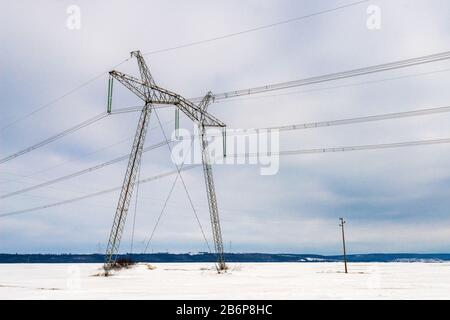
[(243, 281)]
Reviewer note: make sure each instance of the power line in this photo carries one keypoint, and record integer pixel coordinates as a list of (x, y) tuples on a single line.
[(71, 130), (137, 108), (397, 115), (74, 188), (55, 137), (84, 156), (88, 154), (349, 148), (311, 125), (30, 176), (281, 153), (55, 100), (330, 123), (64, 133), (79, 173), (259, 28), (92, 195), (332, 76), (333, 87)]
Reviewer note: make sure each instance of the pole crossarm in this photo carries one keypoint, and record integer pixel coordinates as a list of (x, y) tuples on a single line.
[(153, 94)]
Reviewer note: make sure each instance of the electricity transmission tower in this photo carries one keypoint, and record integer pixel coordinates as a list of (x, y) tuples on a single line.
[(147, 90), (341, 224)]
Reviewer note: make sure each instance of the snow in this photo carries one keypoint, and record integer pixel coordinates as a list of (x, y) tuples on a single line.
[(243, 281)]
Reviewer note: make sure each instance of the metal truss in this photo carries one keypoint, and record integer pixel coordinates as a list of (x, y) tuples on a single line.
[(147, 90)]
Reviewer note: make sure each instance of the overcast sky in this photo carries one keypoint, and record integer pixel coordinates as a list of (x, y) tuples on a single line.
[(394, 200)]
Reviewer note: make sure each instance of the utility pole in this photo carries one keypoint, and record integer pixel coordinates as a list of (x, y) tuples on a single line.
[(151, 94), (341, 224)]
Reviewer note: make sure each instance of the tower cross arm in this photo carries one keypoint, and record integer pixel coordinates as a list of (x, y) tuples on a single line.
[(133, 84), (153, 94)]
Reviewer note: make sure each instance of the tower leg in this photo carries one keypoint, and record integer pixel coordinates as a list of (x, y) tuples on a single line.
[(127, 190), (212, 201)]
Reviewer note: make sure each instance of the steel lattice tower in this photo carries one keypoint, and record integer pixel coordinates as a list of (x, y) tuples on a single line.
[(147, 90)]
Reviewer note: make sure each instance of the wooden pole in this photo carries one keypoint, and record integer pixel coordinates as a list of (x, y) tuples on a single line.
[(343, 243)]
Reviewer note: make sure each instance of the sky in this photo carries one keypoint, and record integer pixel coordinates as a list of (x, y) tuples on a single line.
[(394, 200)]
